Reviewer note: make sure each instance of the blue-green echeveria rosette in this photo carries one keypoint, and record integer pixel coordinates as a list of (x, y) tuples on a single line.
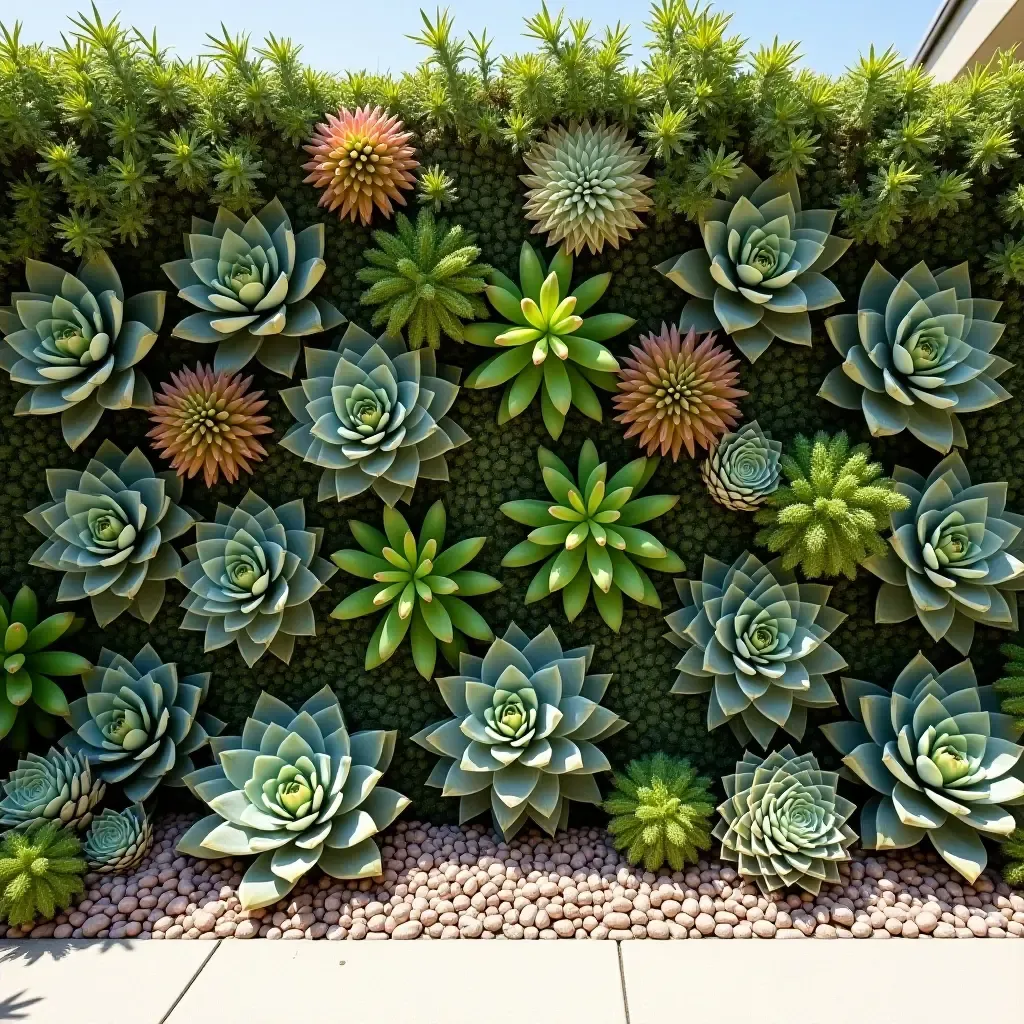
[(755, 640), (109, 529), (742, 469), (917, 352), (371, 413), (252, 280), (760, 271), (77, 341), (943, 759), (58, 786), (138, 723), (118, 841), (297, 790), (522, 742)]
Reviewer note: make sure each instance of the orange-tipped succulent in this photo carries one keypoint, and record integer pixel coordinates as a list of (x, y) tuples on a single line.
[(209, 421), (361, 160), (676, 392)]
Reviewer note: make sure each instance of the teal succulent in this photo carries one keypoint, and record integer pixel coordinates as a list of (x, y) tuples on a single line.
[(58, 786), (40, 874), (117, 841), (742, 469)]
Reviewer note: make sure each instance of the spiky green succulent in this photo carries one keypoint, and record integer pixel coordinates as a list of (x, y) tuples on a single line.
[(437, 187), (77, 342), (660, 810), (828, 517), (760, 271), (40, 873), (943, 759), (916, 354), (420, 583), (549, 346), (784, 822), (58, 786), (955, 558), (424, 280), (1011, 684), (522, 742), (588, 534), (1013, 854), (252, 282), (117, 841), (742, 469), (298, 791)]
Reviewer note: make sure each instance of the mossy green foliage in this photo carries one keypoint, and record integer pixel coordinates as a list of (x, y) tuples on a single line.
[(1010, 686), (40, 872), (1013, 851)]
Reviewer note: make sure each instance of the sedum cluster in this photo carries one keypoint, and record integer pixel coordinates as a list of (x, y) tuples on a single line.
[(40, 874)]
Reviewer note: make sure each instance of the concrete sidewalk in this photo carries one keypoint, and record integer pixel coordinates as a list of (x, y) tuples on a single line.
[(262, 982)]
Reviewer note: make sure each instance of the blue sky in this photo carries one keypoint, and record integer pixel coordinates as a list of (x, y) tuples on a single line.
[(348, 34)]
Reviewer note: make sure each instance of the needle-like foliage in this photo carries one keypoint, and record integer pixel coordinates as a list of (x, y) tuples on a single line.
[(40, 872)]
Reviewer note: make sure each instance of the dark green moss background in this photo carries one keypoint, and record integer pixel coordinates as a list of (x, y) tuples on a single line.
[(500, 464)]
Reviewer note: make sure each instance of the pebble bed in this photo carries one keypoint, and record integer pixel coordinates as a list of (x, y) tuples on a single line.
[(449, 882)]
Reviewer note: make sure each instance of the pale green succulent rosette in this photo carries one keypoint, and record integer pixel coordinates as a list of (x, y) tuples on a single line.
[(916, 354), (760, 271), (297, 791), (76, 341), (944, 759), (742, 469), (252, 280), (522, 744), (58, 786), (117, 841)]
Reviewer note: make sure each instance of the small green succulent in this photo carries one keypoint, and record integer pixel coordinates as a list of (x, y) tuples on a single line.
[(742, 469), (421, 583), (437, 187), (661, 811), (1011, 685), (40, 873), (589, 533), (117, 841), (1013, 852)]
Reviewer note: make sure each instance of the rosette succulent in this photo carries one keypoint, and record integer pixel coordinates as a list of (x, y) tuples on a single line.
[(549, 346), (588, 534), (298, 791), (523, 740), (373, 414), (117, 841), (943, 759), (742, 469), (956, 555), (77, 342), (40, 874), (756, 640), (109, 529), (916, 354), (252, 282), (784, 823), (251, 576), (421, 584), (760, 271), (138, 723), (58, 786)]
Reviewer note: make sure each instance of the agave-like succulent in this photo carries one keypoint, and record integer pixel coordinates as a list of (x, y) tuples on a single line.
[(916, 354), (117, 841), (109, 529), (742, 469), (138, 723), (374, 414), (588, 533), (755, 639), (522, 742), (586, 186), (759, 272), (548, 346), (77, 342), (956, 555), (252, 282), (58, 786), (421, 583), (436, 188), (40, 874), (784, 823), (251, 576), (297, 790), (943, 758)]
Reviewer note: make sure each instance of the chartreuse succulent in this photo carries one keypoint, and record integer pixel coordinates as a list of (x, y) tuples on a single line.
[(251, 281), (784, 822), (549, 346), (29, 696), (759, 273), (742, 469), (297, 791), (419, 585), (76, 341), (943, 760), (587, 534), (117, 841), (660, 810), (58, 786), (522, 742), (1011, 685), (755, 640), (916, 354), (40, 873), (955, 557), (138, 723)]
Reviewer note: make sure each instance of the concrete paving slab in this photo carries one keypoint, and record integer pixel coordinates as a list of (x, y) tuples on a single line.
[(77, 981)]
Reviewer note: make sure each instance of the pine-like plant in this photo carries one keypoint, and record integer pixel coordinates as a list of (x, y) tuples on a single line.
[(1013, 851), (827, 519), (1012, 683), (661, 812), (40, 873)]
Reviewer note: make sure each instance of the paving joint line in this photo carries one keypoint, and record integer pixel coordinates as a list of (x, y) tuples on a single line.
[(622, 982), (191, 982)]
